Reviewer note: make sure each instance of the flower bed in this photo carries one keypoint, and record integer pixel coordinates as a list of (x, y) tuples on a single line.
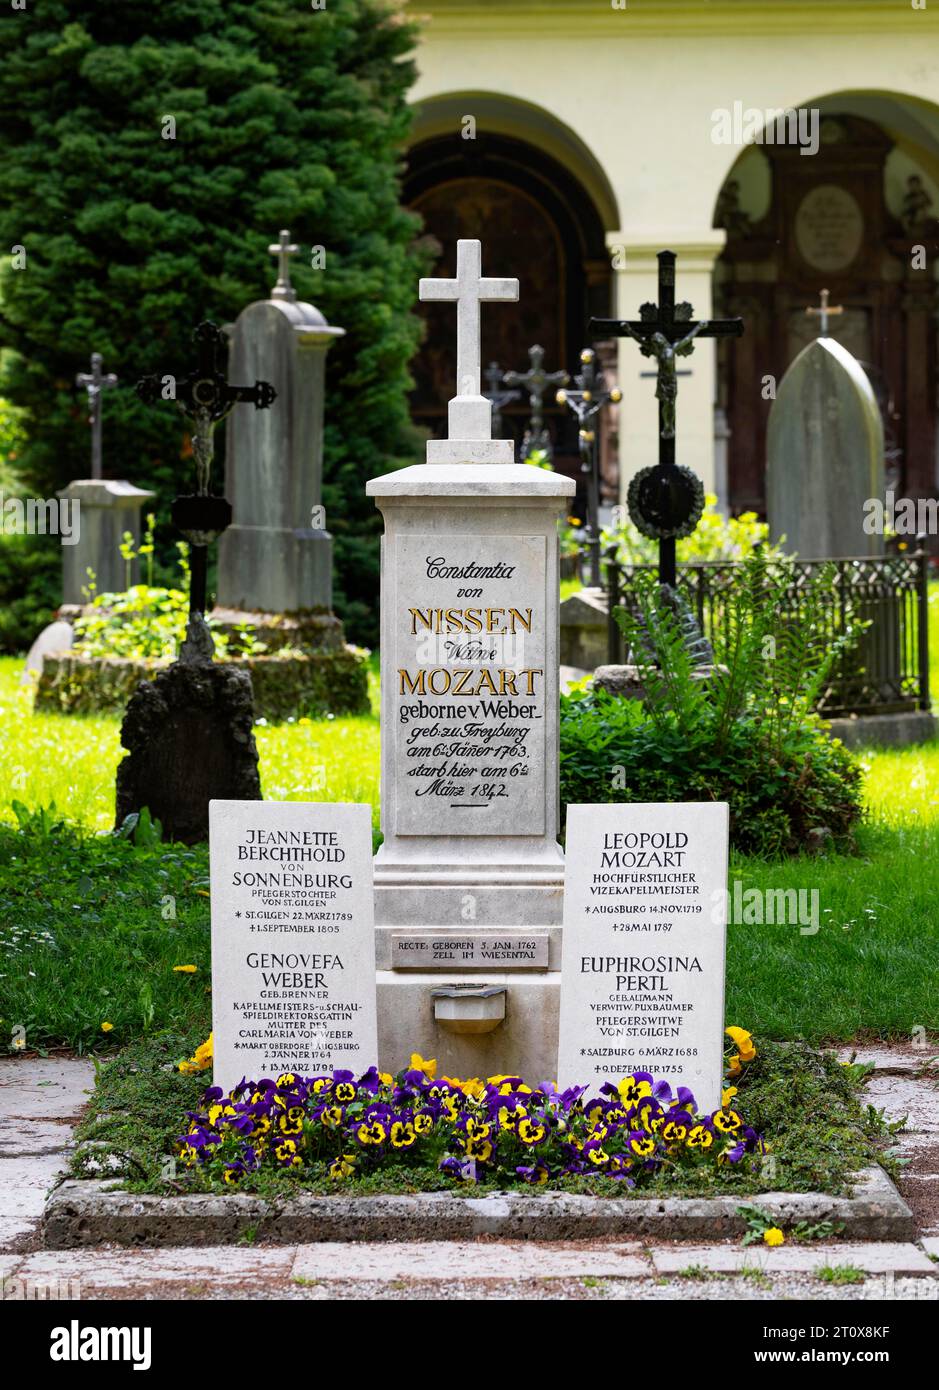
[(500, 1128), (809, 1130)]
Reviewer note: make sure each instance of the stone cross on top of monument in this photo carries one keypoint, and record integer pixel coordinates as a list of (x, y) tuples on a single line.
[(823, 313), (283, 249), (94, 383), (469, 414)]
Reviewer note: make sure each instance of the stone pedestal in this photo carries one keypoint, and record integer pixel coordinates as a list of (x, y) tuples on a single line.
[(469, 649), (189, 738), (585, 629), (276, 557), (106, 509)]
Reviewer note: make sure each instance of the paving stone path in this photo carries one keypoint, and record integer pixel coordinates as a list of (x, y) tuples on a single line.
[(40, 1100)]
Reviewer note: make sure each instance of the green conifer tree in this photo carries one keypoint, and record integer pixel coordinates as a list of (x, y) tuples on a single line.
[(150, 152)]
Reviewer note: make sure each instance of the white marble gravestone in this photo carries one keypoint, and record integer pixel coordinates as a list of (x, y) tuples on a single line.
[(293, 942), (825, 455), (645, 914), (470, 874)]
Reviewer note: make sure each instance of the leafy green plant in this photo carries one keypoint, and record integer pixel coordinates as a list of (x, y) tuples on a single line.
[(716, 537), (148, 622), (841, 1274), (742, 732)]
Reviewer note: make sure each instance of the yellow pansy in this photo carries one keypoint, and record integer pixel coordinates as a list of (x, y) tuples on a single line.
[(530, 1133), (727, 1096), (700, 1138), (419, 1063), (403, 1134), (631, 1090), (743, 1041)]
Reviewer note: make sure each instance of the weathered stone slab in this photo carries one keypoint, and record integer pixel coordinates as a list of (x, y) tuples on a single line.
[(465, 1260), (645, 912), (277, 554), (106, 509), (93, 1212), (44, 1087), (293, 940), (882, 1257)]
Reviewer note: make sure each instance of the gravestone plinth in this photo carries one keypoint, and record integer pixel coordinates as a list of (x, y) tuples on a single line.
[(277, 555), (825, 455), (107, 508), (645, 914), (469, 728), (189, 740)]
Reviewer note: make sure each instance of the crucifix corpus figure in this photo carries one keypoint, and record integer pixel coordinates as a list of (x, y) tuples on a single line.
[(204, 398), (94, 383), (666, 501), (469, 413)]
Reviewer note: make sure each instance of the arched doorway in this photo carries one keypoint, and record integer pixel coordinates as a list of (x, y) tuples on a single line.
[(536, 221), (848, 219)]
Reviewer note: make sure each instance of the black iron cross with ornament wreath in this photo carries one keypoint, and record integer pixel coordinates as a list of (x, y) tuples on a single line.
[(666, 500)]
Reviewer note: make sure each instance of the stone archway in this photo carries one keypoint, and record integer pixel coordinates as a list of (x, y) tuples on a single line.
[(536, 221), (847, 220)]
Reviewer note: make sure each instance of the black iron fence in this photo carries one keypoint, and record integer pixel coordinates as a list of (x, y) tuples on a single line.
[(887, 671)]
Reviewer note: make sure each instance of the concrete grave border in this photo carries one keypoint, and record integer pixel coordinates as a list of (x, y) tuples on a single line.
[(88, 1213)]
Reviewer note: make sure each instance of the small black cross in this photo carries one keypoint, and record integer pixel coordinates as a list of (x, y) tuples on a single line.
[(663, 499), (94, 383), (585, 403)]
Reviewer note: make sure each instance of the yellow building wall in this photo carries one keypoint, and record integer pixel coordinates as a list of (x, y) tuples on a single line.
[(626, 96)]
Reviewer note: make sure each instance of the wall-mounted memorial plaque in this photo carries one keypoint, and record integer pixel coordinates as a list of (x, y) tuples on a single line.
[(829, 227)]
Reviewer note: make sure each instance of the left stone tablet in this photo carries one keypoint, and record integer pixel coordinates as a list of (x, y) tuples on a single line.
[(293, 939)]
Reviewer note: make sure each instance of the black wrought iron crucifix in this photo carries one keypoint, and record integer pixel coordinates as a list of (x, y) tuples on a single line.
[(204, 398), (536, 381), (586, 402), (496, 397), (666, 501)]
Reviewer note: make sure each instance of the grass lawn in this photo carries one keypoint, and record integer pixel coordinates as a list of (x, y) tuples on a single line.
[(91, 927)]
